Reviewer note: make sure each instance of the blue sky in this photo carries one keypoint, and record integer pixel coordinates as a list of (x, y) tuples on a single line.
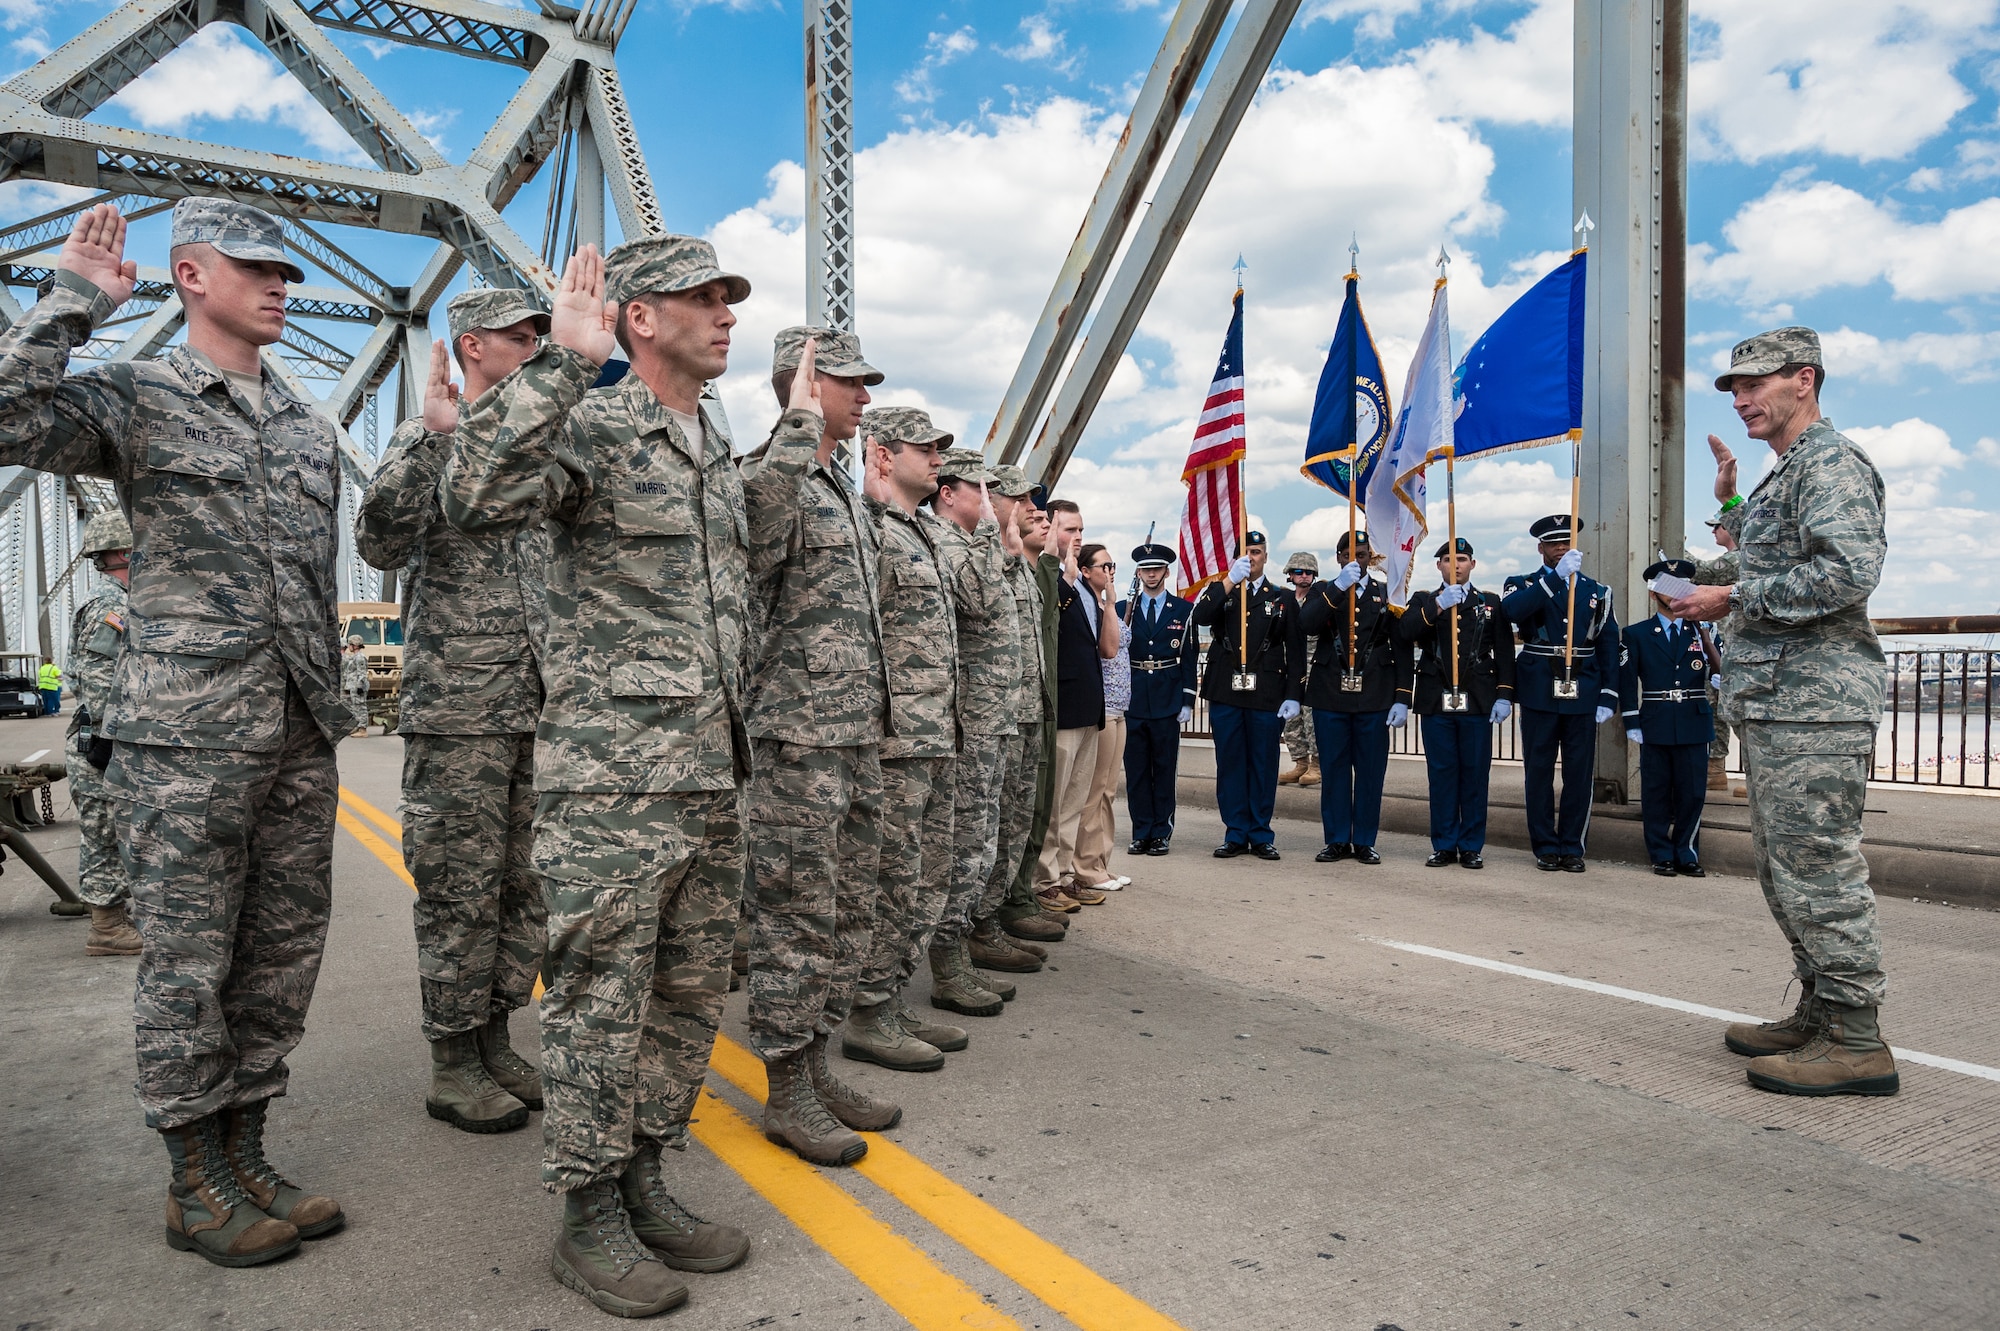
[(1845, 175)]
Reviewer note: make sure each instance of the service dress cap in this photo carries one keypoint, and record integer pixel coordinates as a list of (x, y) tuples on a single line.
[(1677, 568), (235, 229), (1767, 353), (666, 264), (902, 425), (1554, 527), (1154, 555), (492, 307), (838, 353)]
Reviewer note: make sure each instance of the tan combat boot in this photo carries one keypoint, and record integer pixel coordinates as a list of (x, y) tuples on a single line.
[(1311, 778), (956, 990), (206, 1209), (1776, 1037), (794, 1116), (515, 1075), (677, 1236), (111, 933), (1292, 777), (463, 1092), (936, 1034), (992, 984), (873, 1035), (850, 1104), (1846, 1056), (599, 1256), (1030, 931), (990, 949), (274, 1194)]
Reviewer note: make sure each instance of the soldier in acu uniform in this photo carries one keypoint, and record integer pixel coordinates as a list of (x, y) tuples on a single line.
[(1664, 686), (225, 705), (1165, 657), (1802, 676), (641, 748), (1566, 687), (470, 698), (96, 637), (1301, 572)]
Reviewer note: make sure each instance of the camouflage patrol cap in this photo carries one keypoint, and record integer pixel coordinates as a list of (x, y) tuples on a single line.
[(1767, 353), (666, 264), (838, 354), (1011, 481), (492, 307), (235, 229), (903, 425), (964, 464), (106, 532), (1302, 559)]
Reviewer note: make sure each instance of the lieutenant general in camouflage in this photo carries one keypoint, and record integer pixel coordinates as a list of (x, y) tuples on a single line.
[(641, 744), (96, 636), (225, 704), (1802, 676), (920, 639), (471, 696), (819, 708)]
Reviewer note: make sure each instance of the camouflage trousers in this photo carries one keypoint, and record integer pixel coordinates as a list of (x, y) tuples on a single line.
[(642, 899), (815, 848), (1299, 739), (100, 873), (977, 775), (1018, 848), (1018, 899), (468, 838), (230, 860), (915, 877), (1807, 781)]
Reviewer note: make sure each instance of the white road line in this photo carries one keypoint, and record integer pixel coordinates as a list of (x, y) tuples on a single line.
[(1658, 1000), (36, 754)]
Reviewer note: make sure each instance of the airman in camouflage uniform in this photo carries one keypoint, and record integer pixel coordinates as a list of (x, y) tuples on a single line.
[(920, 639), (225, 704), (641, 744), (1025, 792), (819, 709), (96, 636), (470, 699), (1802, 675)]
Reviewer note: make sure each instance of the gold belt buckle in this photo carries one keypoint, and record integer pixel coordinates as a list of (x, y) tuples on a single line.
[(1565, 688), (1350, 681), (1454, 701), (1243, 681)]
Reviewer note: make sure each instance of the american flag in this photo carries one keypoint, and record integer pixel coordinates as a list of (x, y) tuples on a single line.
[(1210, 525)]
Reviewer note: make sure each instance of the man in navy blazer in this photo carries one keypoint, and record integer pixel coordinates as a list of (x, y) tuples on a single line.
[(1165, 652), (1664, 688)]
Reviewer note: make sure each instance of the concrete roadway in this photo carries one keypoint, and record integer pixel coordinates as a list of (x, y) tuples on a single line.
[(1230, 1102)]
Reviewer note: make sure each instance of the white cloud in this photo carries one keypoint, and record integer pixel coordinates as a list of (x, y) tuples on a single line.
[(939, 50), (1802, 238), (1041, 42), (1521, 77), (1970, 357), (1987, 450), (21, 199), (217, 75), (1937, 542), (1867, 79)]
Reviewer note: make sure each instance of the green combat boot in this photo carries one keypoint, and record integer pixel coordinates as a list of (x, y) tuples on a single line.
[(599, 1256), (1776, 1037), (950, 1039), (955, 988), (206, 1209), (677, 1236), (794, 1116), (1846, 1056), (463, 1092), (111, 933), (274, 1194), (515, 1075), (851, 1105), (990, 949), (873, 1035)]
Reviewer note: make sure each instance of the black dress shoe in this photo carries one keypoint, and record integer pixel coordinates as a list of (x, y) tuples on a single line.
[(1441, 858), (1140, 845), (1367, 855), (1264, 850), (1549, 863), (1159, 846), (1664, 870), (1229, 850), (1690, 871), (1471, 859), (1572, 864), (1329, 854)]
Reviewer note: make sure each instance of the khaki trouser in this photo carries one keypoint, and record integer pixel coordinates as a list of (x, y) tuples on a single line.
[(1076, 761), (1098, 831)]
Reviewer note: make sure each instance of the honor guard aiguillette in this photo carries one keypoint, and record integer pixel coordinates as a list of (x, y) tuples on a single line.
[(1165, 655)]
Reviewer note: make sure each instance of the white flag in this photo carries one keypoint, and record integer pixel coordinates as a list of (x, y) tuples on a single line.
[(1396, 491)]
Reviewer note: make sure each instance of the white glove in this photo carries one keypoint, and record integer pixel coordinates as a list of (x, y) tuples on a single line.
[(1501, 711), (1450, 596), (1399, 716), (1239, 572), (1715, 681), (1187, 715), (1347, 577), (1603, 715), (1287, 710), (1636, 736), (1569, 565)]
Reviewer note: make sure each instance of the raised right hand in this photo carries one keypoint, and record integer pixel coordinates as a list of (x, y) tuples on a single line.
[(581, 319), (95, 252), (1725, 469), (440, 394)]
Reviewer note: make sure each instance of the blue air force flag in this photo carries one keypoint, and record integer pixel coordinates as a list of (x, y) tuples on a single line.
[(1351, 417), (1521, 384)]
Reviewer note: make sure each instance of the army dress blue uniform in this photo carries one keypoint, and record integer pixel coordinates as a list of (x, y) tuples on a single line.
[(1247, 727), (1165, 653), (1555, 727), (1664, 687), (1352, 726)]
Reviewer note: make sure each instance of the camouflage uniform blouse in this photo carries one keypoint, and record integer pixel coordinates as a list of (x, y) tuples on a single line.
[(919, 635), (989, 636)]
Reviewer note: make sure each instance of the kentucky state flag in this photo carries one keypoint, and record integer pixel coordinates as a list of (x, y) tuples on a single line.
[(1351, 416)]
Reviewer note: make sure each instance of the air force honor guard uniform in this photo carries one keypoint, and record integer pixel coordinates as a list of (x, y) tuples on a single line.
[(1664, 686), (1164, 652), (1562, 702)]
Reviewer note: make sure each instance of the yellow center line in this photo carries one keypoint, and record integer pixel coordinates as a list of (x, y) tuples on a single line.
[(901, 1274)]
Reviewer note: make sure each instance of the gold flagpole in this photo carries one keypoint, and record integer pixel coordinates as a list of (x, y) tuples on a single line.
[(1451, 552)]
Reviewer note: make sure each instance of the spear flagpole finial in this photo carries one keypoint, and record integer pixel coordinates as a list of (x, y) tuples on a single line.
[(1584, 226), (1240, 267), (1354, 256), (1443, 264)]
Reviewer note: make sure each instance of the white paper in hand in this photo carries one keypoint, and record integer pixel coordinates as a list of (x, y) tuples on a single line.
[(1671, 587)]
